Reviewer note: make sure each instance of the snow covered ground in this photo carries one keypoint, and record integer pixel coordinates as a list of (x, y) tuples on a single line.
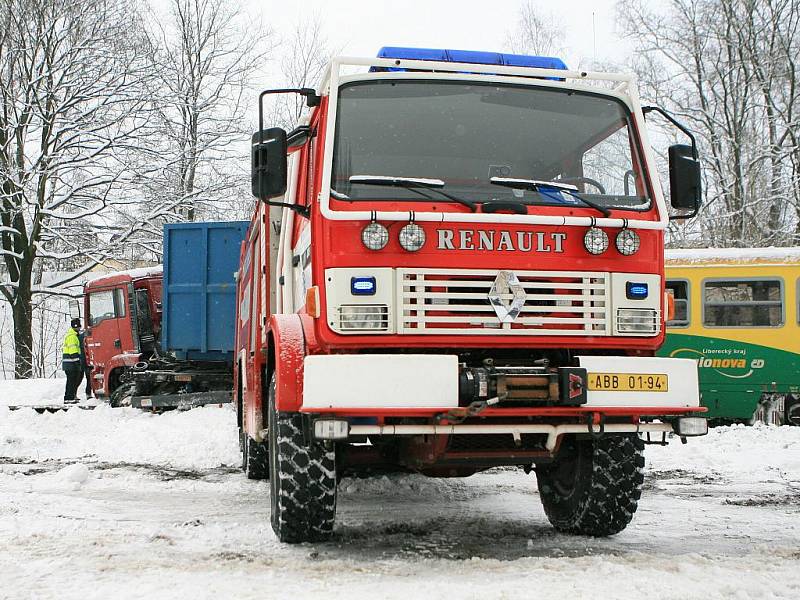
[(116, 503)]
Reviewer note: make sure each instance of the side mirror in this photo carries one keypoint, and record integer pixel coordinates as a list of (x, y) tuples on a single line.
[(268, 163), (684, 179)]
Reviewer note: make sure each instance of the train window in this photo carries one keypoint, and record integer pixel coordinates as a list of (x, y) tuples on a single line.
[(679, 290), (743, 303)]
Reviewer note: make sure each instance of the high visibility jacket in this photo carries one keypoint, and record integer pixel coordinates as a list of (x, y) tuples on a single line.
[(72, 348)]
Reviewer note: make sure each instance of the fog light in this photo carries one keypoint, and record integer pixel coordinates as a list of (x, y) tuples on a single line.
[(595, 240), (637, 320), (331, 429), (412, 237), (375, 236), (364, 317), (691, 426), (627, 242)]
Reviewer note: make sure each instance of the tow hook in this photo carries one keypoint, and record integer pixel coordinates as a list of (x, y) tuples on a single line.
[(459, 414), (601, 421)]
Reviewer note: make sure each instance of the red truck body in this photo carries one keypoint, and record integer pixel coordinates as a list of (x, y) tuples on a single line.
[(456, 306)]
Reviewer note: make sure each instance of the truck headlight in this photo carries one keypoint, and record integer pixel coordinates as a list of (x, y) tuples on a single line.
[(363, 317), (412, 237), (375, 236), (627, 242), (637, 320), (595, 240)]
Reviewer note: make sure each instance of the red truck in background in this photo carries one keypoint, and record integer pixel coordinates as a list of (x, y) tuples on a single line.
[(163, 337), (458, 264), (115, 340)]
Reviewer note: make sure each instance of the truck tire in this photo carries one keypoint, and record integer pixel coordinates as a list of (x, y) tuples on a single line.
[(302, 479), (594, 484), (255, 458), (121, 396)]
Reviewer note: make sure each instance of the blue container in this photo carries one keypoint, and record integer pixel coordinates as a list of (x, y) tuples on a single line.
[(199, 297)]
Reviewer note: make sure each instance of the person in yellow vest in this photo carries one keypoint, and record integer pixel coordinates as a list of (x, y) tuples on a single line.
[(71, 361)]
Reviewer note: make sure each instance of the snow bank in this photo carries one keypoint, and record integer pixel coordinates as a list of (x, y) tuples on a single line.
[(196, 439), (28, 392), (737, 452)]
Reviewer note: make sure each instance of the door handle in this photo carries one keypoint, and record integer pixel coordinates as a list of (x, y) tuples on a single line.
[(117, 344)]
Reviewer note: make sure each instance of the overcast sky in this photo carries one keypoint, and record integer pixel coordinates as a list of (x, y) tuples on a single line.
[(360, 28)]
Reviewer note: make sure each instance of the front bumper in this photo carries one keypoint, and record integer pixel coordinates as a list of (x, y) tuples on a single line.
[(431, 384)]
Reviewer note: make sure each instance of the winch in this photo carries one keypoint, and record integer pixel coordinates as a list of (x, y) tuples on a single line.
[(537, 384)]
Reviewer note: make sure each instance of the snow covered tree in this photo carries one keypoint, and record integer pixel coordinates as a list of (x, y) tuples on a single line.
[(206, 54), (73, 83), (728, 69), (304, 57), (537, 32)]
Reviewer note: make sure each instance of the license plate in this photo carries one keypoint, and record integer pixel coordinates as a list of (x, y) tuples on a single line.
[(183, 377), (628, 382)]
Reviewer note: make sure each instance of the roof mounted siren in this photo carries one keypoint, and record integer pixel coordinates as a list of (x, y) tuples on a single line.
[(468, 56)]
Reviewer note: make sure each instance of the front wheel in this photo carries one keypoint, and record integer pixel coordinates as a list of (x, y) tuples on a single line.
[(302, 479), (122, 395), (594, 485)]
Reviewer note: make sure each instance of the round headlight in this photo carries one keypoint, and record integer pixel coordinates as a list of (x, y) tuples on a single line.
[(627, 242), (375, 236), (596, 240), (412, 237)]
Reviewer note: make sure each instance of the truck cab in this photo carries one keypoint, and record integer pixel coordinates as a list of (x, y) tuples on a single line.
[(123, 321), (458, 264)]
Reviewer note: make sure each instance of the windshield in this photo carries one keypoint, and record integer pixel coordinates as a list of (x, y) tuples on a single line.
[(465, 134)]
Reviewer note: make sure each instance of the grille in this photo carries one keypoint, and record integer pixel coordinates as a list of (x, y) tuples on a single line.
[(456, 301)]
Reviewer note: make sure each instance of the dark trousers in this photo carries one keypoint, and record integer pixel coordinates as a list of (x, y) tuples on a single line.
[(89, 392), (74, 375)]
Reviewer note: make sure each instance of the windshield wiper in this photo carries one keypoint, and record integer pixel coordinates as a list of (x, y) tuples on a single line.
[(414, 184), (535, 185)]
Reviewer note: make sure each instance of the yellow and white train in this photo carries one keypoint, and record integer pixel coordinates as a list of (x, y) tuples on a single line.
[(737, 312)]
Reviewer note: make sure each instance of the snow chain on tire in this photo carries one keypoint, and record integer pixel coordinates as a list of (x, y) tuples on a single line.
[(594, 485), (302, 479)]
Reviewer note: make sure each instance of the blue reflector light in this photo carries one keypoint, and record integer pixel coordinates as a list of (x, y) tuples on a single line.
[(363, 286), (469, 56), (635, 291)]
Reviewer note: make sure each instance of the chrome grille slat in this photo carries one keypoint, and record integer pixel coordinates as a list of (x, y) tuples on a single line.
[(453, 302)]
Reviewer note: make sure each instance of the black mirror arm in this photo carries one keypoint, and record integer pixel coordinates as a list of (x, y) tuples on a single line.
[(303, 211), (674, 121), (311, 96), (689, 215)]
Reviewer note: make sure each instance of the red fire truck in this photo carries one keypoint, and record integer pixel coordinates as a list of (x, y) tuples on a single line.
[(457, 264)]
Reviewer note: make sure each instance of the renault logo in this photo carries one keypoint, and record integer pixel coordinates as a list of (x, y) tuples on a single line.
[(507, 308)]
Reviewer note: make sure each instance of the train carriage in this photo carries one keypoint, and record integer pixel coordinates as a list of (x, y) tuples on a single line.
[(737, 312)]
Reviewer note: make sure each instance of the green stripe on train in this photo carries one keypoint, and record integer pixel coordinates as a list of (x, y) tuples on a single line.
[(733, 374)]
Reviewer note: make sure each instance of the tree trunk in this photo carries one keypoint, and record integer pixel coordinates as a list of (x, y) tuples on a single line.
[(23, 334)]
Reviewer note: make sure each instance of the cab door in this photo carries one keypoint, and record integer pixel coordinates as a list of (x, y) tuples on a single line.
[(105, 310)]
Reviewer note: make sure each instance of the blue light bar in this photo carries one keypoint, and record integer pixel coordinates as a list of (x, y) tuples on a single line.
[(470, 56), (363, 286), (635, 291)]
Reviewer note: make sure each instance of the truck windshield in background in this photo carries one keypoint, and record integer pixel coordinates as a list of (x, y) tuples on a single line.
[(464, 134)]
